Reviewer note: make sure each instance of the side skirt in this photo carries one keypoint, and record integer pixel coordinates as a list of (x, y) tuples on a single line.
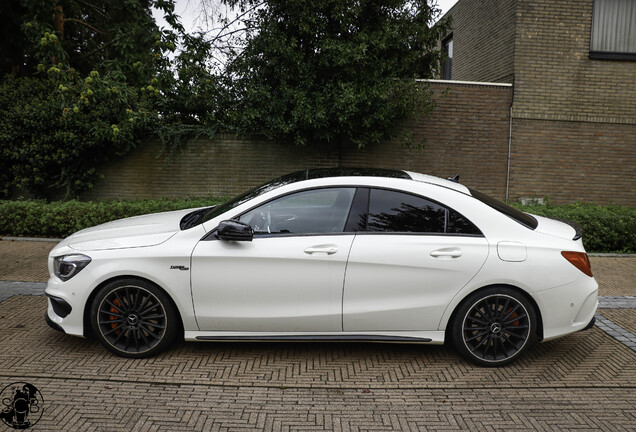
[(427, 338)]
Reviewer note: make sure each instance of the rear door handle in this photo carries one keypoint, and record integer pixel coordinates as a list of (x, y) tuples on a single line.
[(449, 252), (329, 250)]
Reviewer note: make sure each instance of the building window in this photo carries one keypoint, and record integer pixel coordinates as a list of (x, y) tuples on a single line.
[(447, 64), (613, 30)]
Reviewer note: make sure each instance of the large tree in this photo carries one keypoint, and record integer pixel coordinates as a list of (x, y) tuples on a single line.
[(83, 81), (333, 71)]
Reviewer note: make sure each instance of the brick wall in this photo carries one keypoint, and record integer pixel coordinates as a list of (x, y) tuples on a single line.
[(224, 166), (574, 117), (554, 77), (467, 134), (574, 161), (483, 40)]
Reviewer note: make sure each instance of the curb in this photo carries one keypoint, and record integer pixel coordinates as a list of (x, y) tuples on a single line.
[(32, 239)]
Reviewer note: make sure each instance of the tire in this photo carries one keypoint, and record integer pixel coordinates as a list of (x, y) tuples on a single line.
[(133, 318), (494, 326)]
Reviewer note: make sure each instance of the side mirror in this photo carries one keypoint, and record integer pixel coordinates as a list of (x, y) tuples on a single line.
[(232, 230)]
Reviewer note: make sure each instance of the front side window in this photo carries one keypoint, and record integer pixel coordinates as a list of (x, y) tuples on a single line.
[(613, 30), (318, 211), (392, 211)]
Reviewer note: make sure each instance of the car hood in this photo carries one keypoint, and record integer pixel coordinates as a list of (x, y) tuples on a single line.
[(556, 228), (138, 231)]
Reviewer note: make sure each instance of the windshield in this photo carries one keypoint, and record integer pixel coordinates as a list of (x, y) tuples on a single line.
[(523, 218), (293, 178), (237, 201)]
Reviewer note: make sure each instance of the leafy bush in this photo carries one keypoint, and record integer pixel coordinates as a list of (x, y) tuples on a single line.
[(62, 218), (605, 228)]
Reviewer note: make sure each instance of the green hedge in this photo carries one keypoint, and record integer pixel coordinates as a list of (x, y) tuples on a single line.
[(609, 228), (606, 228), (62, 218)]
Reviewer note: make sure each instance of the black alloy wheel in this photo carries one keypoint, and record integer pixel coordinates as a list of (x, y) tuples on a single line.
[(133, 318), (494, 327)]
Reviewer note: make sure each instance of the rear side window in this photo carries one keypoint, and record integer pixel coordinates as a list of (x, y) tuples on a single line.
[(523, 218), (392, 211)]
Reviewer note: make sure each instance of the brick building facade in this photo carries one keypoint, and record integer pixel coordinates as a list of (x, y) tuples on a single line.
[(573, 108)]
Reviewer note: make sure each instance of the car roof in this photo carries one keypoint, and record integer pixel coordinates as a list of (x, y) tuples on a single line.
[(371, 172)]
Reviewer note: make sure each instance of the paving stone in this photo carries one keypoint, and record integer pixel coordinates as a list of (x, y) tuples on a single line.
[(584, 381)]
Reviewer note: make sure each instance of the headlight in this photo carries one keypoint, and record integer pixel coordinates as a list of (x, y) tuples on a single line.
[(67, 266)]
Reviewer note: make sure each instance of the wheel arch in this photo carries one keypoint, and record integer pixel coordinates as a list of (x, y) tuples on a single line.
[(89, 301), (525, 294)]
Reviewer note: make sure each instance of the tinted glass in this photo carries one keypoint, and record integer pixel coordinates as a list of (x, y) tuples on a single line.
[(400, 212), (307, 212), (521, 217), (458, 224)]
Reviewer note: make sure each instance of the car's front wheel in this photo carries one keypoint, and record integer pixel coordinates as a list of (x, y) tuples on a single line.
[(133, 318), (494, 326)]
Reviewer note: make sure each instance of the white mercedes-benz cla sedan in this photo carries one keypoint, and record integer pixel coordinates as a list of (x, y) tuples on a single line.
[(329, 254)]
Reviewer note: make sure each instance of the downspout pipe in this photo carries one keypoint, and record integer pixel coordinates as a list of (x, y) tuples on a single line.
[(509, 154)]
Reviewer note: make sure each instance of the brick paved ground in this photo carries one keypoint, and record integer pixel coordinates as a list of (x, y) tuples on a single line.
[(618, 275), (585, 381), (24, 260)]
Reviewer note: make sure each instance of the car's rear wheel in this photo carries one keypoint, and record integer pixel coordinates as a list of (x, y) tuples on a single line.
[(133, 318), (493, 327)]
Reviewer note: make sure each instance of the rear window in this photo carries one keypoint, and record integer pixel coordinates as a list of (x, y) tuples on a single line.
[(523, 218)]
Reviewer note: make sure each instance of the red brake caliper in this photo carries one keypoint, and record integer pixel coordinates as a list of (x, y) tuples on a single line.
[(117, 303), (513, 316)]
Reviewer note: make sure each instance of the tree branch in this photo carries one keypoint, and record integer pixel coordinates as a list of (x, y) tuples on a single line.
[(95, 8), (106, 45), (84, 24)]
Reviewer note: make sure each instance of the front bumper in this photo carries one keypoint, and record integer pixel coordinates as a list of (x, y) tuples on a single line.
[(51, 324), (66, 301)]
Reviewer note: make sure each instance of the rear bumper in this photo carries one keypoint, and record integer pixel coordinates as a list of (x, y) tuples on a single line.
[(590, 325), (569, 308)]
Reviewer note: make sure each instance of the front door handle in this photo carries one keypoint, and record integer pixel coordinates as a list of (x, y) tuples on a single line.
[(448, 252), (327, 249)]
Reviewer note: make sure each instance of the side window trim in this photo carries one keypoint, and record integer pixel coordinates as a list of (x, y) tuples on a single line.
[(359, 210)]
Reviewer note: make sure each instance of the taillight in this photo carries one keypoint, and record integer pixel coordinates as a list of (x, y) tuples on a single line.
[(579, 260)]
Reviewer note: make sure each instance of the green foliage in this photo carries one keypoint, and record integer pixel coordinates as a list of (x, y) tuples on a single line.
[(85, 81), (60, 219), (333, 70), (57, 131), (88, 83), (605, 228)]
